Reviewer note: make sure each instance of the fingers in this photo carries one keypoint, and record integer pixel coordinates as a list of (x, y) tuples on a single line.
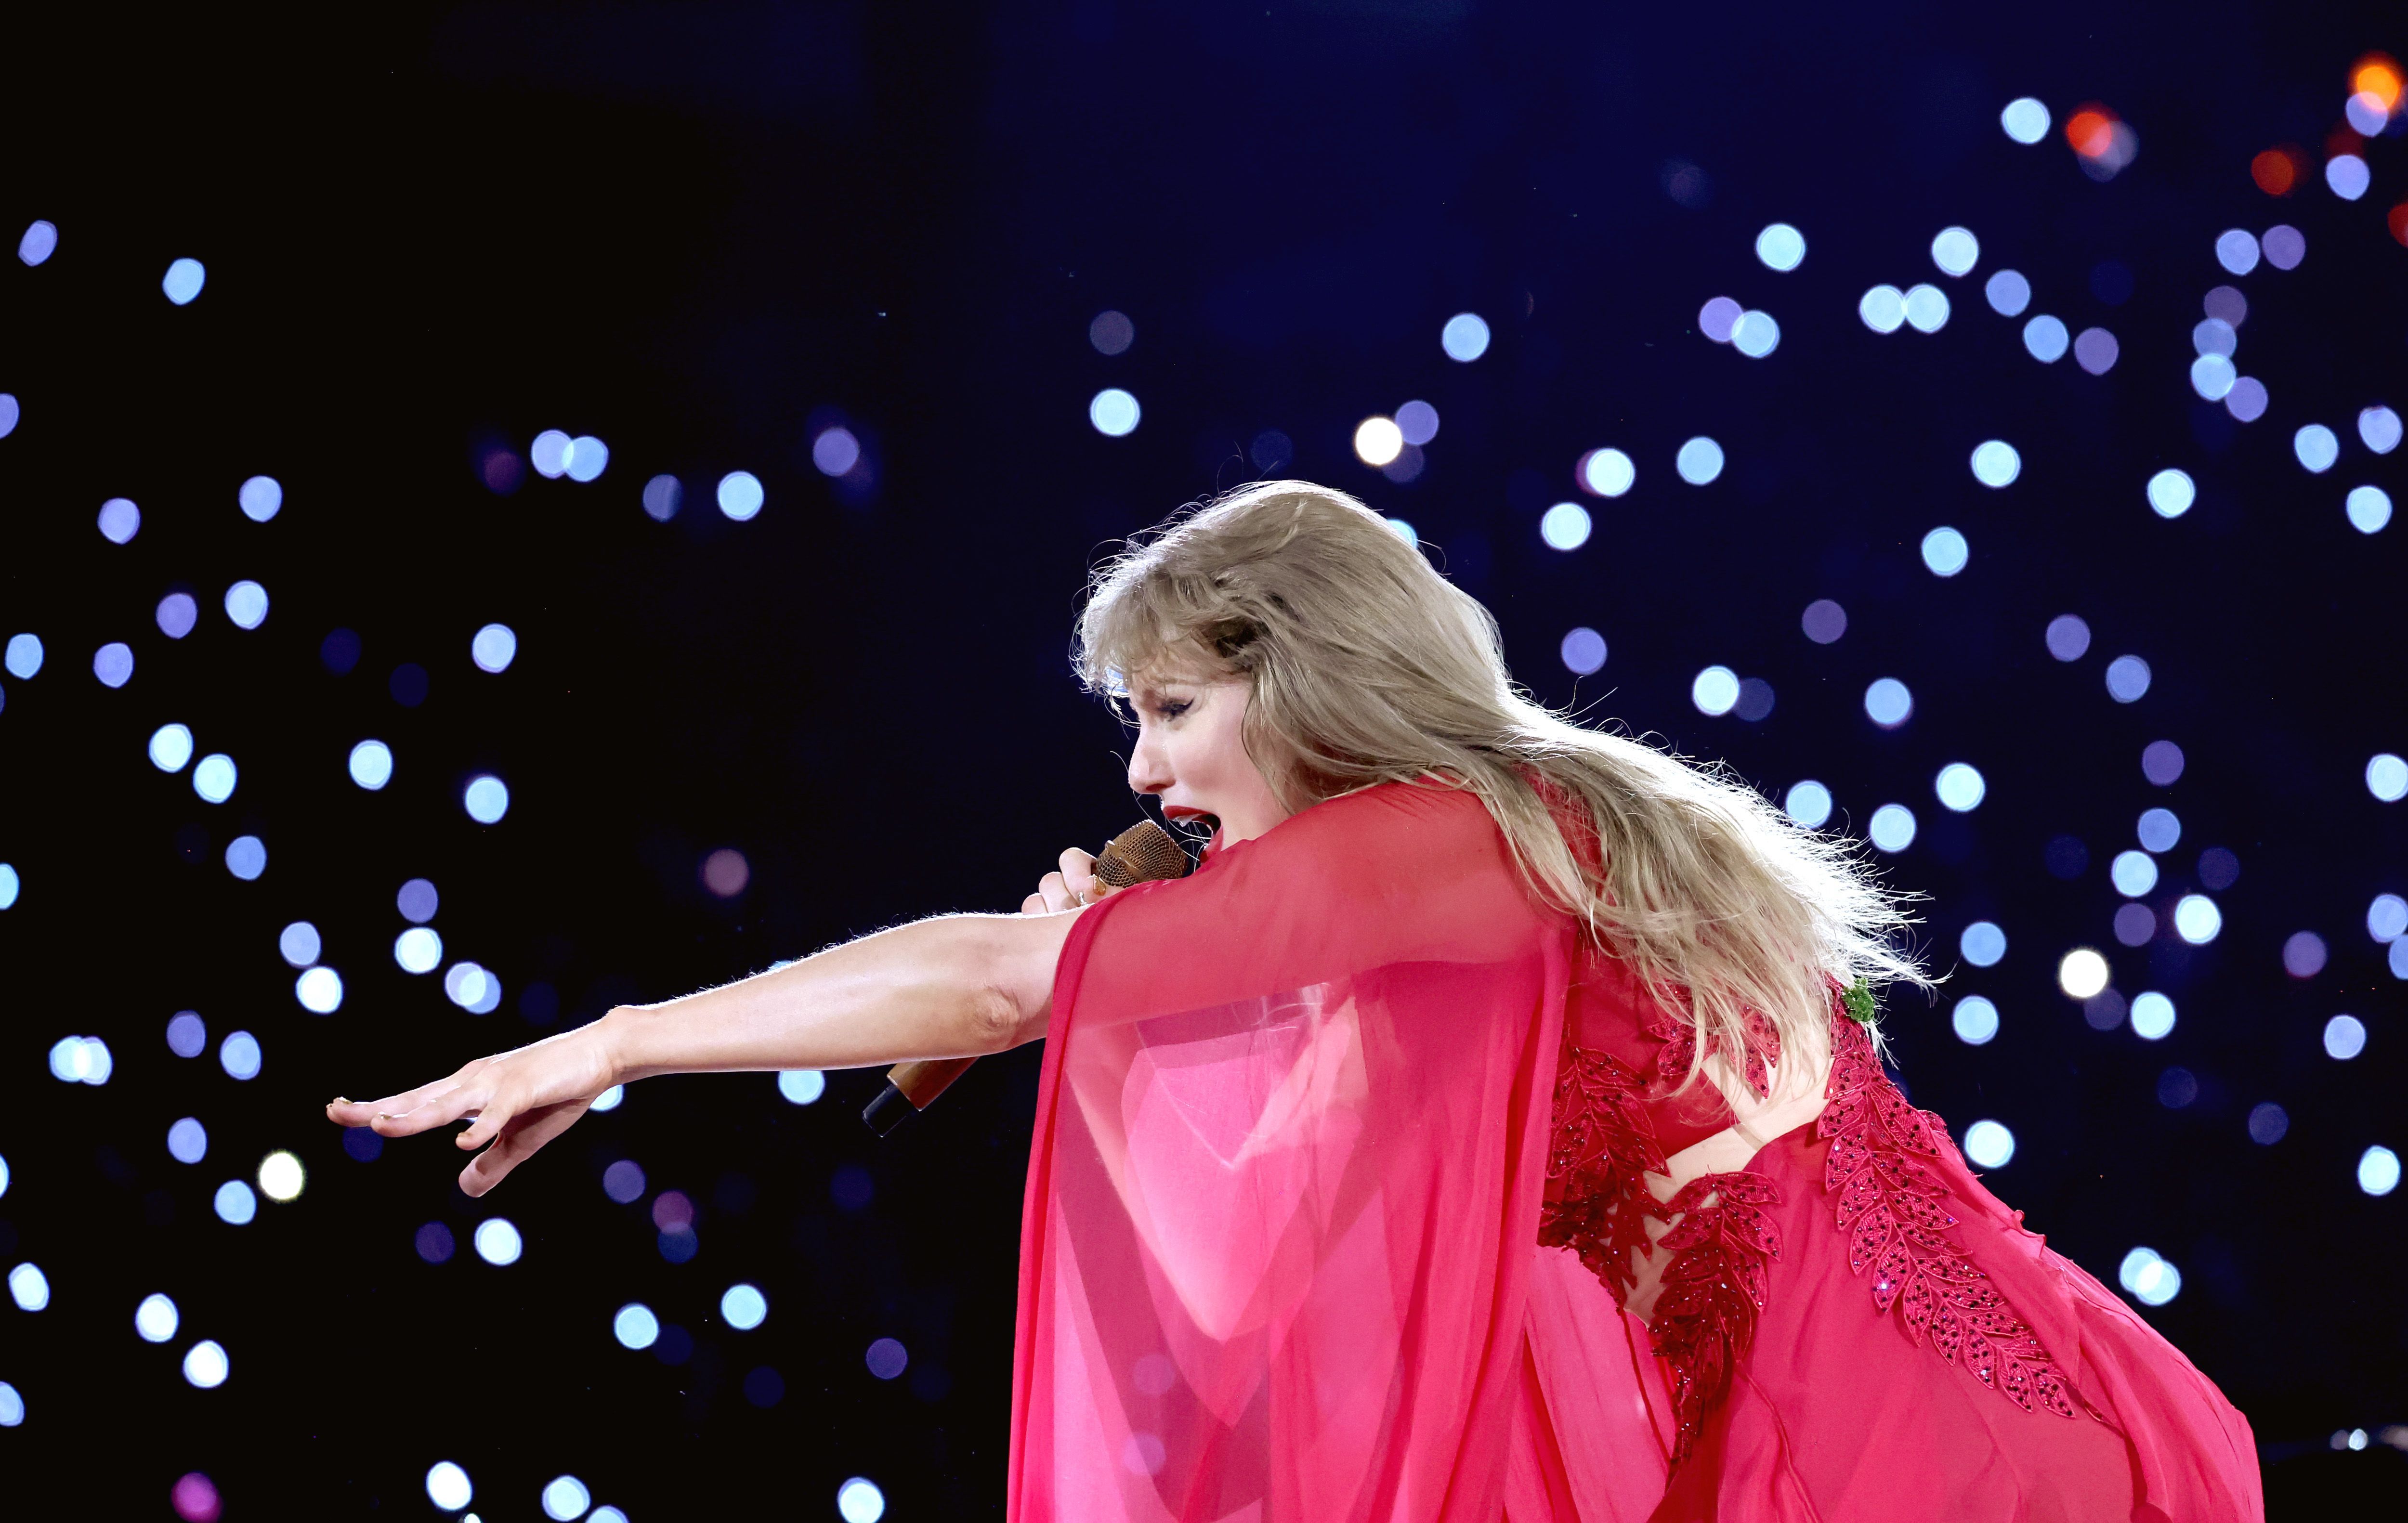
[(1079, 876), (360, 1113), (1056, 893), (519, 1141), (435, 1105), (1035, 905)]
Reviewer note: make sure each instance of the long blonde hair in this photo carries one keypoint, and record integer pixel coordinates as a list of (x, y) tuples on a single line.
[(1367, 666)]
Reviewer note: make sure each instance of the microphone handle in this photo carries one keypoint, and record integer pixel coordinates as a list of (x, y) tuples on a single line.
[(1143, 852)]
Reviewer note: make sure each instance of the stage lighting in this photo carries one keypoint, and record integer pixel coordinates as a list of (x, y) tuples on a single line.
[(1974, 1019), (1989, 1145)]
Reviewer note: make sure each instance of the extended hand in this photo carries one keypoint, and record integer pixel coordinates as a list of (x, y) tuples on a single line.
[(520, 1101), (1076, 884)]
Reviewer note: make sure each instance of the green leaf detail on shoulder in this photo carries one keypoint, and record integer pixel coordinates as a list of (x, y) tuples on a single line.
[(1857, 997)]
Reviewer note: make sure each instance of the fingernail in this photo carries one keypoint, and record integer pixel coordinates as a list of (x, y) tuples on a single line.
[(338, 1100), (384, 1116)]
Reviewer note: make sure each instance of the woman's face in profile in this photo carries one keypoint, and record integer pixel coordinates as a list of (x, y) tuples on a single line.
[(1191, 753)]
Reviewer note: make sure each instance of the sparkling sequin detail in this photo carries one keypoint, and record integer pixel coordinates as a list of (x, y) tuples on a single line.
[(1598, 1202), (1896, 1211), (1714, 1290)]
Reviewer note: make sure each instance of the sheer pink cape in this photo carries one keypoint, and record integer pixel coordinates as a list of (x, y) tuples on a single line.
[(1279, 1259)]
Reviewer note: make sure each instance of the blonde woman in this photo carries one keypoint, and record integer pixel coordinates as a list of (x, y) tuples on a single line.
[(1490, 1129)]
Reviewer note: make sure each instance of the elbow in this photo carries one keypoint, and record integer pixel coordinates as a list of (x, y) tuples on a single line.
[(996, 1022)]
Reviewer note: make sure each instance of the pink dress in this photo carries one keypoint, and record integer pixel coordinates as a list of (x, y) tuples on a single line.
[(1338, 1156)]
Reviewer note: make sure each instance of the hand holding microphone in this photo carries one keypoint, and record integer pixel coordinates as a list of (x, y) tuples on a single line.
[(1142, 854)]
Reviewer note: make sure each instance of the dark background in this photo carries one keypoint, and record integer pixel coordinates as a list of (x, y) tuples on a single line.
[(704, 232)]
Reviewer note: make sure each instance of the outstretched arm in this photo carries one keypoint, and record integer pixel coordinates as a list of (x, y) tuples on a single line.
[(955, 987)]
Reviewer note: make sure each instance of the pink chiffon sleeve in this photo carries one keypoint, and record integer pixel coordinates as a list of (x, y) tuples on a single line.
[(1278, 1254)]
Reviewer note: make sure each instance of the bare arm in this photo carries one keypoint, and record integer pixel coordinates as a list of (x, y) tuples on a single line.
[(957, 986)]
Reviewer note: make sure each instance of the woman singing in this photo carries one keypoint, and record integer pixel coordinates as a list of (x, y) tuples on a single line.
[(1491, 1128)]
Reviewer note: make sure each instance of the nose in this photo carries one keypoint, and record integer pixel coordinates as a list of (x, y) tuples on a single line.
[(1149, 771)]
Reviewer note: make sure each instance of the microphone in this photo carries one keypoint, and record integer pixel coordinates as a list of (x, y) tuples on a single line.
[(1144, 853)]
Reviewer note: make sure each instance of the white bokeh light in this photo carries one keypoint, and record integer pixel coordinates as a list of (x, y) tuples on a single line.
[(157, 1319), (1892, 827), (2317, 448), (261, 498), (183, 281), (1807, 802), (2081, 973), (448, 1487), (1989, 1145), (1955, 250), (246, 604), (1608, 473), (171, 746), (281, 1177), (2148, 1278), (1781, 247), (497, 1242), (743, 1307), (493, 647), (1975, 1020), (2345, 1037), (587, 457), (1377, 441), (859, 1500), (2368, 508), (1960, 787), (1927, 308), (1755, 334), (29, 1287), (740, 495), (2025, 120), (2387, 776), (566, 1499), (1945, 552), (2380, 428), (487, 799), (1983, 944), (2172, 493), (2133, 873), (1888, 702), (1582, 650), (1114, 412), (1699, 461), (205, 1364), (1715, 691), (634, 1326), (2152, 1016), (320, 990), (2045, 339), (1883, 309), (418, 949), (213, 777), (801, 1085), (1996, 463), (1464, 337), (1565, 526), (2378, 1171), (2008, 293), (371, 764), (2197, 921)]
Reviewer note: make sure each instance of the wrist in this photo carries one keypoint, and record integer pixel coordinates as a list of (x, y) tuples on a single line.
[(612, 1039)]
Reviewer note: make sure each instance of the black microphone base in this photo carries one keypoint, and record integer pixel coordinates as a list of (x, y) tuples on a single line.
[(888, 1111)]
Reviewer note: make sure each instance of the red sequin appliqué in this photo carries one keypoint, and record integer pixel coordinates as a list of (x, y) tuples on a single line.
[(1896, 1211), (1713, 1289), (1598, 1203)]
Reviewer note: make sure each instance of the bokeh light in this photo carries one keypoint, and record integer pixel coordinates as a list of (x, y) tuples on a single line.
[(1824, 621), (235, 1204), (24, 655), (1883, 309), (188, 1140), (487, 799), (2046, 339), (1955, 250), (2387, 776), (743, 1307), (1927, 308), (2197, 919), (2303, 954), (1781, 247), (2275, 171), (1464, 337), (371, 764), (205, 1364), (1888, 702), (497, 1242), (2378, 1171), (740, 495), (586, 457), (448, 1487), (2172, 493), (320, 990), (40, 240), (2128, 679), (2094, 349), (2379, 427), (1807, 802), (1582, 650), (1110, 332), (1983, 944), (859, 1500), (213, 777), (634, 1326), (1974, 1019), (2348, 176), (1891, 828), (418, 950), (1960, 787), (1989, 1145), (2153, 1016), (801, 1085), (1996, 463), (183, 281), (2133, 873), (281, 1177), (1699, 462), (246, 604), (2025, 120), (493, 647), (2345, 1037), (1565, 526), (2386, 917), (2283, 246), (120, 519), (2317, 448), (1715, 691), (1608, 473), (887, 1357), (171, 747), (566, 1499), (155, 1319), (1418, 422), (2236, 250), (239, 1056), (1716, 318), (549, 454), (663, 496), (2081, 973), (261, 498), (835, 451), (2148, 1278), (1945, 552), (1377, 441), (2008, 293), (2368, 508), (1755, 334), (2159, 830)]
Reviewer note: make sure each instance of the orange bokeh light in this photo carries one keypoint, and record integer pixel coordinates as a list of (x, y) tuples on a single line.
[(2376, 74), (2276, 170), (2091, 131)]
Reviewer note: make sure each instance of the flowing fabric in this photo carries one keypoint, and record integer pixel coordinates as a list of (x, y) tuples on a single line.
[(1341, 1155)]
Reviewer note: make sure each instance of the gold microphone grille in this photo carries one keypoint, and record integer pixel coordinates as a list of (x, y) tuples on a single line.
[(1140, 854)]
